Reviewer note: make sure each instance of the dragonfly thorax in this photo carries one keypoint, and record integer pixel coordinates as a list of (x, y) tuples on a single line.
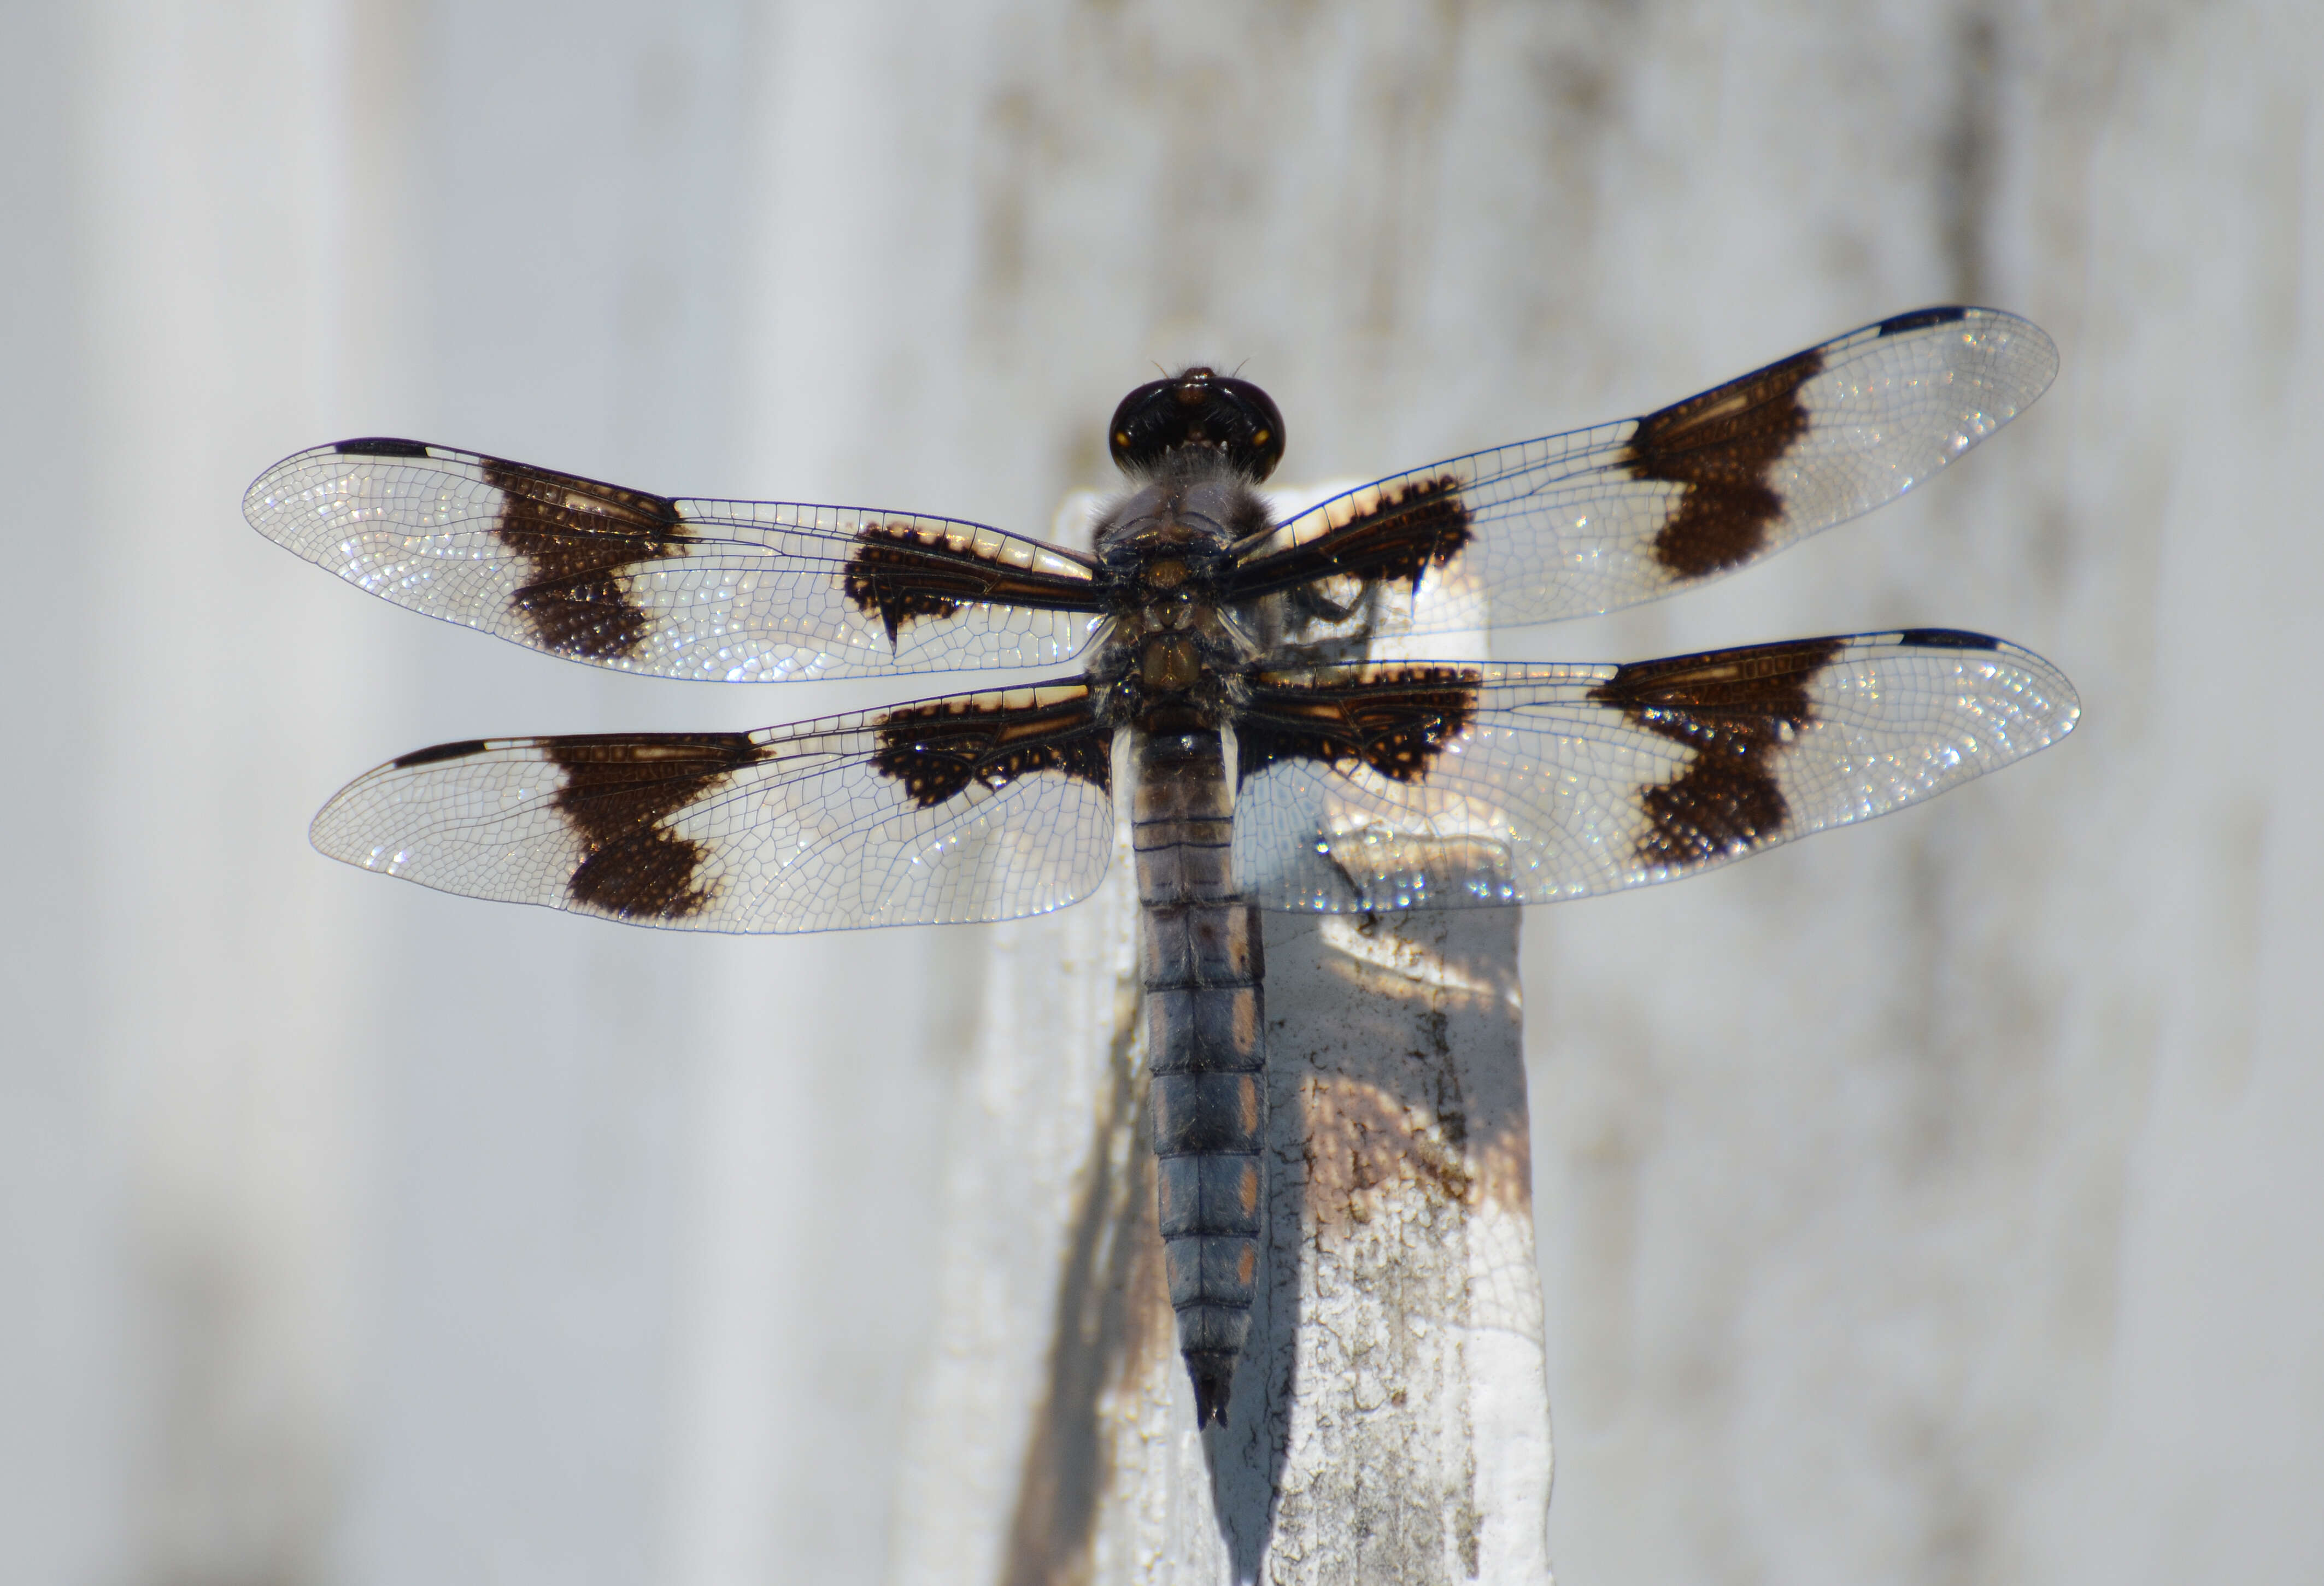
[(1191, 513)]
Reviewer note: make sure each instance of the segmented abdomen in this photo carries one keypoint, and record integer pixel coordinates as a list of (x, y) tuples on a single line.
[(1200, 960)]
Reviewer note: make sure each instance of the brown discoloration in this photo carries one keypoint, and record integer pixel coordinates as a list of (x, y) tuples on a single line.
[(577, 538), (1388, 1107), (1150, 1332), (1111, 1330), (1414, 527), (1737, 709), (1721, 445), (1364, 1143), (935, 750), (619, 792), (900, 573), (1401, 1121), (1396, 720)]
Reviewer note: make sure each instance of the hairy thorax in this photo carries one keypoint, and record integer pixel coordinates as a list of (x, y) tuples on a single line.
[(1172, 655)]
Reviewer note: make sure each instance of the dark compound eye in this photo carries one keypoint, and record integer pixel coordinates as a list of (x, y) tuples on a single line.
[(1198, 408)]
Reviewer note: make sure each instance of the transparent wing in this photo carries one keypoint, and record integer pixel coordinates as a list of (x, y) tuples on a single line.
[(730, 591), (1603, 518), (980, 807), (1435, 785)]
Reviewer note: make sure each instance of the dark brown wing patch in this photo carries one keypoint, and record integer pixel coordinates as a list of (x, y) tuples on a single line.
[(618, 793), (1721, 445), (1399, 533), (577, 537), (1396, 720), (898, 572), (1737, 710), (936, 750)]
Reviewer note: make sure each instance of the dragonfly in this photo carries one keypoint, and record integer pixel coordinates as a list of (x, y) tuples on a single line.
[(1217, 666)]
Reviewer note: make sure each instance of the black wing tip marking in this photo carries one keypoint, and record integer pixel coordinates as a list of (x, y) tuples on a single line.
[(936, 751), (1947, 639), (1735, 710), (1922, 319), (618, 795), (381, 445), (436, 753)]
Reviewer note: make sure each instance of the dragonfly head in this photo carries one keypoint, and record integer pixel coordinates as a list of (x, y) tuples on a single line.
[(1198, 408)]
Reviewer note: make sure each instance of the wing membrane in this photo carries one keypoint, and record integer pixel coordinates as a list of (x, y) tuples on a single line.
[(1588, 521), (980, 807), (1437, 785), (730, 591)]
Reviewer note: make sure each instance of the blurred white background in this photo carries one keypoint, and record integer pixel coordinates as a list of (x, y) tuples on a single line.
[(1935, 1201)]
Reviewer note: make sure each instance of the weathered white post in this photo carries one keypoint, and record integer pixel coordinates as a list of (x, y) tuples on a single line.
[(1390, 1421)]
